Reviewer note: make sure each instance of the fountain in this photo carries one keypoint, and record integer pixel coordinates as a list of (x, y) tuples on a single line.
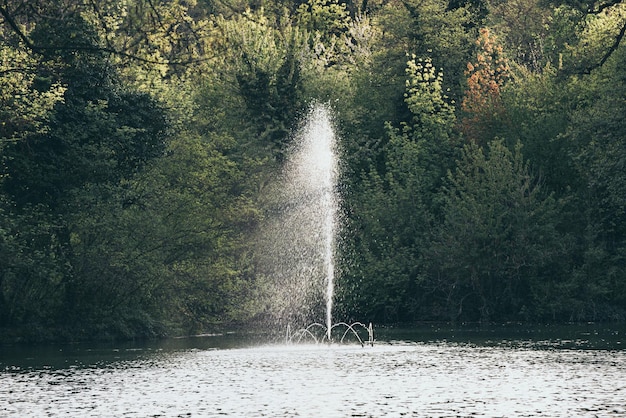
[(349, 330), (299, 243)]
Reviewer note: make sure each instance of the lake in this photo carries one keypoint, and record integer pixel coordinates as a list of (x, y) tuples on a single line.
[(431, 371)]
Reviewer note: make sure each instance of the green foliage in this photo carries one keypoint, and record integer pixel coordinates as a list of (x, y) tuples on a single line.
[(94, 143), (433, 115), (424, 30), (112, 224), (565, 25), (33, 266), (138, 139), (538, 110), (445, 35), (393, 212), (327, 17), (263, 62), (498, 234), (26, 99), (166, 246), (524, 26), (600, 37), (386, 233), (598, 152)]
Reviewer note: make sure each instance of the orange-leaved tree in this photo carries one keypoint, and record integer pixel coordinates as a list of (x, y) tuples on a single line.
[(482, 105)]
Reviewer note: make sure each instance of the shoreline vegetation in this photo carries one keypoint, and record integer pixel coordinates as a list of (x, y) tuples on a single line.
[(482, 150), (418, 330)]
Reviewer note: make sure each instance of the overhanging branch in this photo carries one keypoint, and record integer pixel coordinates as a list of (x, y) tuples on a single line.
[(30, 45), (601, 7), (15, 27), (615, 45), (609, 52)]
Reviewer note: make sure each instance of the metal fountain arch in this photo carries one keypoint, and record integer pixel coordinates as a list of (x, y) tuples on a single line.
[(350, 330)]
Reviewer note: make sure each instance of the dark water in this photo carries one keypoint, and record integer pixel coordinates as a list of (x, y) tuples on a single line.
[(432, 371)]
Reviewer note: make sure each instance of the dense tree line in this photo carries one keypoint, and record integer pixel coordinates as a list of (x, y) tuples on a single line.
[(485, 201), (483, 158)]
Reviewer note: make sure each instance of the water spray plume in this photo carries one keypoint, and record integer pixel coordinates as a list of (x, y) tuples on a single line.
[(300, 235)]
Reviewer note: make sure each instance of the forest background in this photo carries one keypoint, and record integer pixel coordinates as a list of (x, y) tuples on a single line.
[(483, 149)]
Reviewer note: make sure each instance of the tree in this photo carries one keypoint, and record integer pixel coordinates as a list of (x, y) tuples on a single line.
[(26, 98), (140, 31), (84, 148), (497, 240), (523, 25), (168, 251), (602, 20), (28, 276), (443, 34), (326, 17), (266, 69), (539, 113), (482, 104), (98, 134), (394, 209), (598, 152)]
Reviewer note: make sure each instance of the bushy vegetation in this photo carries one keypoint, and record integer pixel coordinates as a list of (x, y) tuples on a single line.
[(483, 158)]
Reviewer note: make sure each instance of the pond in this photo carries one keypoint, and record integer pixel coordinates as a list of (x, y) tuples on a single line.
[(423, 372)]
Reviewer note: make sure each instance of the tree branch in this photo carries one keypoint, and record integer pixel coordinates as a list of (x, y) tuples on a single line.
[(601, 7), (15, 28), (615, 45), (609, 52)]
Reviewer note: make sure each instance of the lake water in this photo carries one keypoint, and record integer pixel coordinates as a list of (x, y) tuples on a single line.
[(428, 372)]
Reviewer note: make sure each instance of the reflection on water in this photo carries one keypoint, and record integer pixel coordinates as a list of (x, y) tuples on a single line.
[(433, 372)]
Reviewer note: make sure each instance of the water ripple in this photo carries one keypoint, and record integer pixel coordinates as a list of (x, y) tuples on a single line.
[(394, 379)]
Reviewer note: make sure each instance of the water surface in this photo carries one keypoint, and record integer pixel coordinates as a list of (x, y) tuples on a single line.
[(428, 372)]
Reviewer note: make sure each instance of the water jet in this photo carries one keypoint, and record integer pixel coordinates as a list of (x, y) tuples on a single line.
[(299, 244)]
